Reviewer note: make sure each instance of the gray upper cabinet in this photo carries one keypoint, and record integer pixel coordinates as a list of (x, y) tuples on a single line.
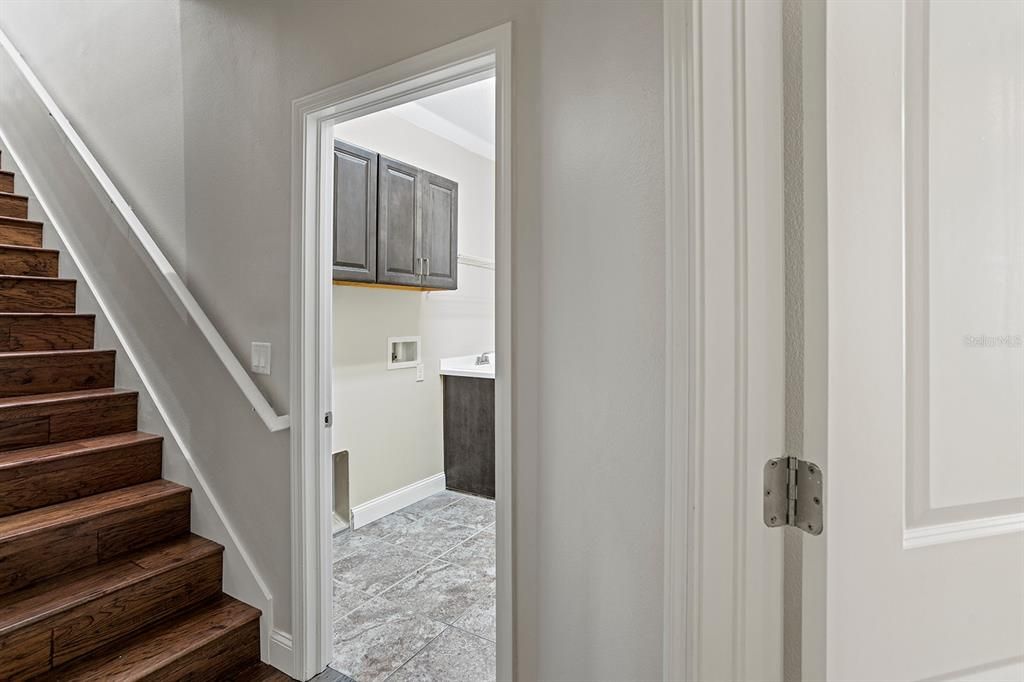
[(410, 219), (398, 248), (355, 213), (439, 231)]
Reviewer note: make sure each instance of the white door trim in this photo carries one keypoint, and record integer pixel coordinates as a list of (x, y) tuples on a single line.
[(680, 197), (725, 337), (313, 118)]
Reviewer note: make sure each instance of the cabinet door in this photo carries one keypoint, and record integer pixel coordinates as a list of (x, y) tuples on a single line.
[(355, 213), (398, 251), (439, 231)]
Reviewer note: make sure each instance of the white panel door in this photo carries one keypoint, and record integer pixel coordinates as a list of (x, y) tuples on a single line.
[(924, 562)]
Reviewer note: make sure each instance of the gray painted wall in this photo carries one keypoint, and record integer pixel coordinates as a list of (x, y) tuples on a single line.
[(588, 194), (86, 53)]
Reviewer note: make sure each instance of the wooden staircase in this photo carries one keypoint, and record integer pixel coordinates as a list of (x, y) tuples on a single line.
[(100, 578)]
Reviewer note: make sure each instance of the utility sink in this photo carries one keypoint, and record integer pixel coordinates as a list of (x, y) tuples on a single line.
[(471, 366)]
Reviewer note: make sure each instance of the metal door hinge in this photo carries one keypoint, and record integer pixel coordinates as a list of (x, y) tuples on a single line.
[(328, 419), (793, 494)]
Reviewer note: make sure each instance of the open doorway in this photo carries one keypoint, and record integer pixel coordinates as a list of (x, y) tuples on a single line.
[(402, 564), (413, 375)]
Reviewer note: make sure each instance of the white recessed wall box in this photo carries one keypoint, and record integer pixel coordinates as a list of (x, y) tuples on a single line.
[(403, 352)]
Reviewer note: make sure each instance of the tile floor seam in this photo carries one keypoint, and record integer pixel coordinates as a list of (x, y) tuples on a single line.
[(448, 632), (369, 598), (460, 525), (462, 543), (365, 594), (376, 626), (411, 575), (478, 601), (418, 651), (471, 634)]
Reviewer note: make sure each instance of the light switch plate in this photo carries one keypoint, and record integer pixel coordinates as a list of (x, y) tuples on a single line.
[(260, 357), (419, 372)]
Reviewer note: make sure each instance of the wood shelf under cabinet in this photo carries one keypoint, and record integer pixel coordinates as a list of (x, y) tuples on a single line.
[(379, 285)]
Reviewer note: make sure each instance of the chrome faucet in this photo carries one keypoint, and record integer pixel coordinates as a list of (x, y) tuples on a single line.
[(482, 359)]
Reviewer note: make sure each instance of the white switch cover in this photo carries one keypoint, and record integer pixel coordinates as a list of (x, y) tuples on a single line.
[(260, 358), (419, 372)]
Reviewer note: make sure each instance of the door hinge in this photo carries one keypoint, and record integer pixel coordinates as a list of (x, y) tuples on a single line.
[(328, 419), (793, 494)]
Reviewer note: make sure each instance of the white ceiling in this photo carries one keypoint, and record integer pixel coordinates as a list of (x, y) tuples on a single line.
[(464, 116)]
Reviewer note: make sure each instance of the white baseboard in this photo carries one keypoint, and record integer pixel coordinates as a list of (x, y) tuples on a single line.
[(281, 655), (379, 507)]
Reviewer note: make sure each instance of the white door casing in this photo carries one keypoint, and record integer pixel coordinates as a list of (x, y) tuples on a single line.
[(924, 562), (313, 119), (726, 373)]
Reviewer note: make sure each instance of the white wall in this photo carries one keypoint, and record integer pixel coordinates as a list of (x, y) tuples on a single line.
[(141, 142), (588, 249), (391, 424)]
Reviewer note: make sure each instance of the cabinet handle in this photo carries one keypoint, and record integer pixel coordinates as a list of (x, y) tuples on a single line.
[(426, 268)]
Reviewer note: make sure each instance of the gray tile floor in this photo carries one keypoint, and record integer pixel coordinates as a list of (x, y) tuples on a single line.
[(414, 594)]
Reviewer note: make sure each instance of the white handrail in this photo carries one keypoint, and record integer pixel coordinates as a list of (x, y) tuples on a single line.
[(260, 406)]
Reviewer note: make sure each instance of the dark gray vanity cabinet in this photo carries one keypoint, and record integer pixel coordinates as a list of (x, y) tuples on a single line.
[(468, 415), (414, 224), (355, 213)]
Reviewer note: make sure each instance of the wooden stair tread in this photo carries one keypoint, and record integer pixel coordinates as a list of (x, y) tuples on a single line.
[(39, 454), (26, 249), (33, 278), (29, 259), (38, 419), (39, 331), (15, 205), (163, 645), (44, 399), (36, 354), (44, 599), (48, 628), (41, 475), (20, 222), (37, 520), (46, 354), (20, 231), (42, 315), (22, 259), (49, 371), (33, 294)]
